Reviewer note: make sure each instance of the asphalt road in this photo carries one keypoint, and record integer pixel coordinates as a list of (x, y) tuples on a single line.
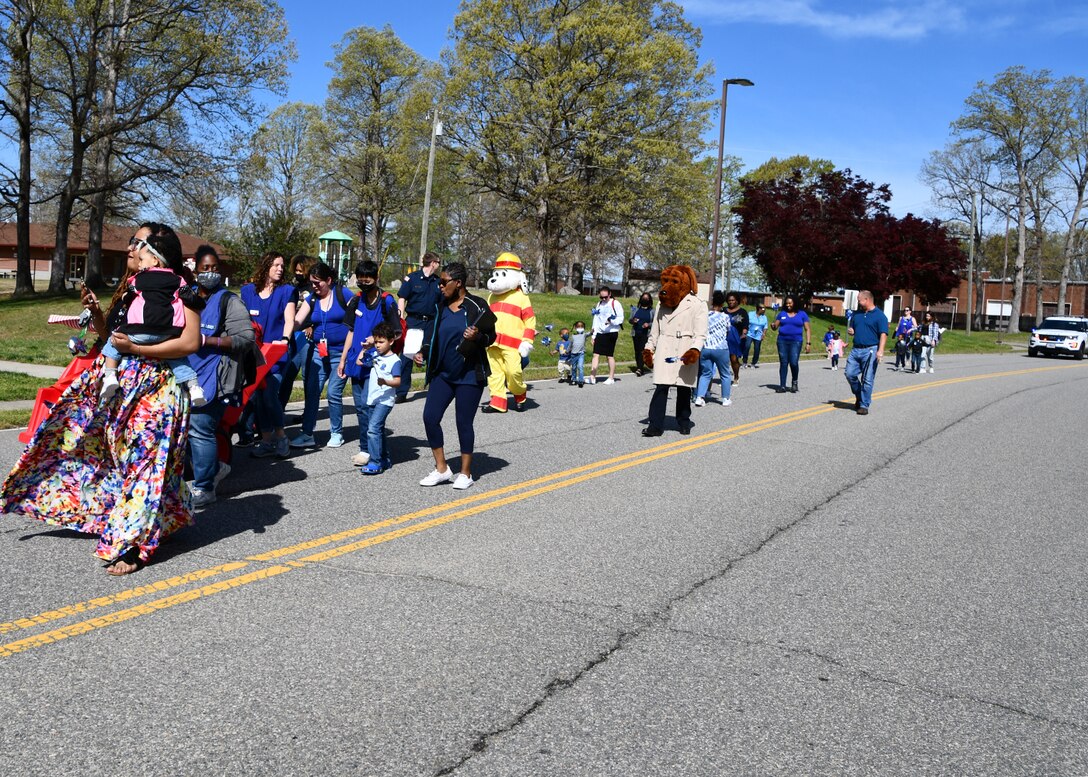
[(793, 589)]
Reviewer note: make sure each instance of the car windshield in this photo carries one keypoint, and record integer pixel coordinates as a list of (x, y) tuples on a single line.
[(1069, 326)]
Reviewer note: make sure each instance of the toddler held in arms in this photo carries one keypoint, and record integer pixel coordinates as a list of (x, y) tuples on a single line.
[(154, 313)]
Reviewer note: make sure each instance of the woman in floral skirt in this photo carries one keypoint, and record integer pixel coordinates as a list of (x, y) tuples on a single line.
[(114, 468)]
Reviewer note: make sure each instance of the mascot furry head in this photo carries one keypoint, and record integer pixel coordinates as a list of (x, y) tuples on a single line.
[(507, 274), (677, 281)]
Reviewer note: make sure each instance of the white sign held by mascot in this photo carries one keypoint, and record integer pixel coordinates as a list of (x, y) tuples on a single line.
[(515, 330)]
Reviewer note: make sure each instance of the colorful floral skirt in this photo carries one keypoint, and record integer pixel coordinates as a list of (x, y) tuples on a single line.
[(113, 468)]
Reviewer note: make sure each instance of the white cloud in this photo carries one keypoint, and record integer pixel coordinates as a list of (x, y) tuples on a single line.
[(892, 20)]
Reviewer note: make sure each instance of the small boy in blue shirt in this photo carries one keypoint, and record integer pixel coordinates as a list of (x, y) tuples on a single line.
[(562, 348), (381, 388)]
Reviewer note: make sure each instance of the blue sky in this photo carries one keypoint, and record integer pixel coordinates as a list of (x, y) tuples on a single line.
[(871, 85)]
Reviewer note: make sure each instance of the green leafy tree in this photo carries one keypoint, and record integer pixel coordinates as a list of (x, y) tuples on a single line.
[(584, 115), (1017, 118), (378, 120), (147, 77)]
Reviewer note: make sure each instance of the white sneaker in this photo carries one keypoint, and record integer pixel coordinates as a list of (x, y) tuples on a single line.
[(196, 395), (202, 498), (727, 402), (109, 386), (437, 477), (360, 459), (222, 472), (463, 481), (609, 382), (591, 380), (930, 370), (335, 441), (700, 402)]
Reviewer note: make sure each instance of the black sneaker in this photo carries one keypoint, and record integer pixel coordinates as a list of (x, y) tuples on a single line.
[(793, 387), (652, 431)]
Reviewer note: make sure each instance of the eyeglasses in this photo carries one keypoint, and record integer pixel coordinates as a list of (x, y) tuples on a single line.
[(136, 244)]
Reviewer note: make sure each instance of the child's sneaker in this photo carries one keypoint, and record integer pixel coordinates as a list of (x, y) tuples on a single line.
[(196, 394), (109, 386), (372, 469)]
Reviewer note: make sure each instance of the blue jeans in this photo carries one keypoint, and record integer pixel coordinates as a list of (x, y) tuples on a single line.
[(860, 372), (183, 371), (319, 373), (266, 403), (578, 367), (789, 358), (203, 447), (296, 357), (710, 358), (755, 345), (372, 423)]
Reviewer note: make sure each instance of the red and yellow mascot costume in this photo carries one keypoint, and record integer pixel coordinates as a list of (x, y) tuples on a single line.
[(515, 330)]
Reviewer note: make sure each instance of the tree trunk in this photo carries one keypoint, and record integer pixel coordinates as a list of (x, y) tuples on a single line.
[(628, 262), (1070, 246), (1021, 254), (24, 274)]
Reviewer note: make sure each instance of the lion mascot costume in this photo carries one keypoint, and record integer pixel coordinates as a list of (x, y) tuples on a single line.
[(515, 330), (672, 350)]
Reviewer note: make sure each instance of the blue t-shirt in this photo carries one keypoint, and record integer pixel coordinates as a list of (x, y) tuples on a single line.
[(451, 364), (387, 366), (269, 313), (868, 327), (757, 324), (791, 329), (328, 324)]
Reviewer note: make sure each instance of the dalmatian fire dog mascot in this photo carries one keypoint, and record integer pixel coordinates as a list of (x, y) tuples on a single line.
[(672, 350), (515, 330)]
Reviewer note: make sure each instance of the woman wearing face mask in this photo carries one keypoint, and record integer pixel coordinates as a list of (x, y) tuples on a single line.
[(226, 337), (296, 350), (326, 308), (642, 316)]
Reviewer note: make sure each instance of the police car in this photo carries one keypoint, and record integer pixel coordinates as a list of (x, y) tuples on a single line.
[(1060, 335)]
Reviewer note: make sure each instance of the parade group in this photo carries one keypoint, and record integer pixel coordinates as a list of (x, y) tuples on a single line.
[(180, 353)]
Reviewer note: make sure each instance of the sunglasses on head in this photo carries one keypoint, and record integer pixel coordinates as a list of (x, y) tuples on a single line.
[(138, 244)]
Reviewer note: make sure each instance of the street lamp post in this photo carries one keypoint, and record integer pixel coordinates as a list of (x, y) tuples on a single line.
[(718, 182)]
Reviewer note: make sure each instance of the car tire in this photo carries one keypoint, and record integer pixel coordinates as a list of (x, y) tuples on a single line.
[(1032, 352), (1079, 355)]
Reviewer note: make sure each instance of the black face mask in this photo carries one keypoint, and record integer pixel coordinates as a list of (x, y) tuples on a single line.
[(300, 279)]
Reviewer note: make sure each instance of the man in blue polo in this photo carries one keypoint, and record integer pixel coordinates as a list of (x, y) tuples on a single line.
[(869, 327), (418, 301)]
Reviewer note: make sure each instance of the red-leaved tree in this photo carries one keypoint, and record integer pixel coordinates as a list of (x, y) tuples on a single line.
[(815, 235)]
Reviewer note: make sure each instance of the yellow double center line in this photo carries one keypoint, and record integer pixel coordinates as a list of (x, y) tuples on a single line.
[(445, 513)]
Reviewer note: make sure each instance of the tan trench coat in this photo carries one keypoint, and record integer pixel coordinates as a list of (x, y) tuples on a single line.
[(672, 333)]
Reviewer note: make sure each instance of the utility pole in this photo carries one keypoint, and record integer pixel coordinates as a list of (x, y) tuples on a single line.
[(971, 266), (718, 182), (436, 130)]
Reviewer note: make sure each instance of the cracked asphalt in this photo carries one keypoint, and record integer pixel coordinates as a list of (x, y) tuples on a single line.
[(792, 589)]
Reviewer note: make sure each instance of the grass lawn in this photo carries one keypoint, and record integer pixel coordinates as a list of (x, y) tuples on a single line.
[(14, 419), (15, 386), (29, 339)]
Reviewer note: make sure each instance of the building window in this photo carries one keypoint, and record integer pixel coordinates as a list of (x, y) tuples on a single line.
[(77, 267)]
